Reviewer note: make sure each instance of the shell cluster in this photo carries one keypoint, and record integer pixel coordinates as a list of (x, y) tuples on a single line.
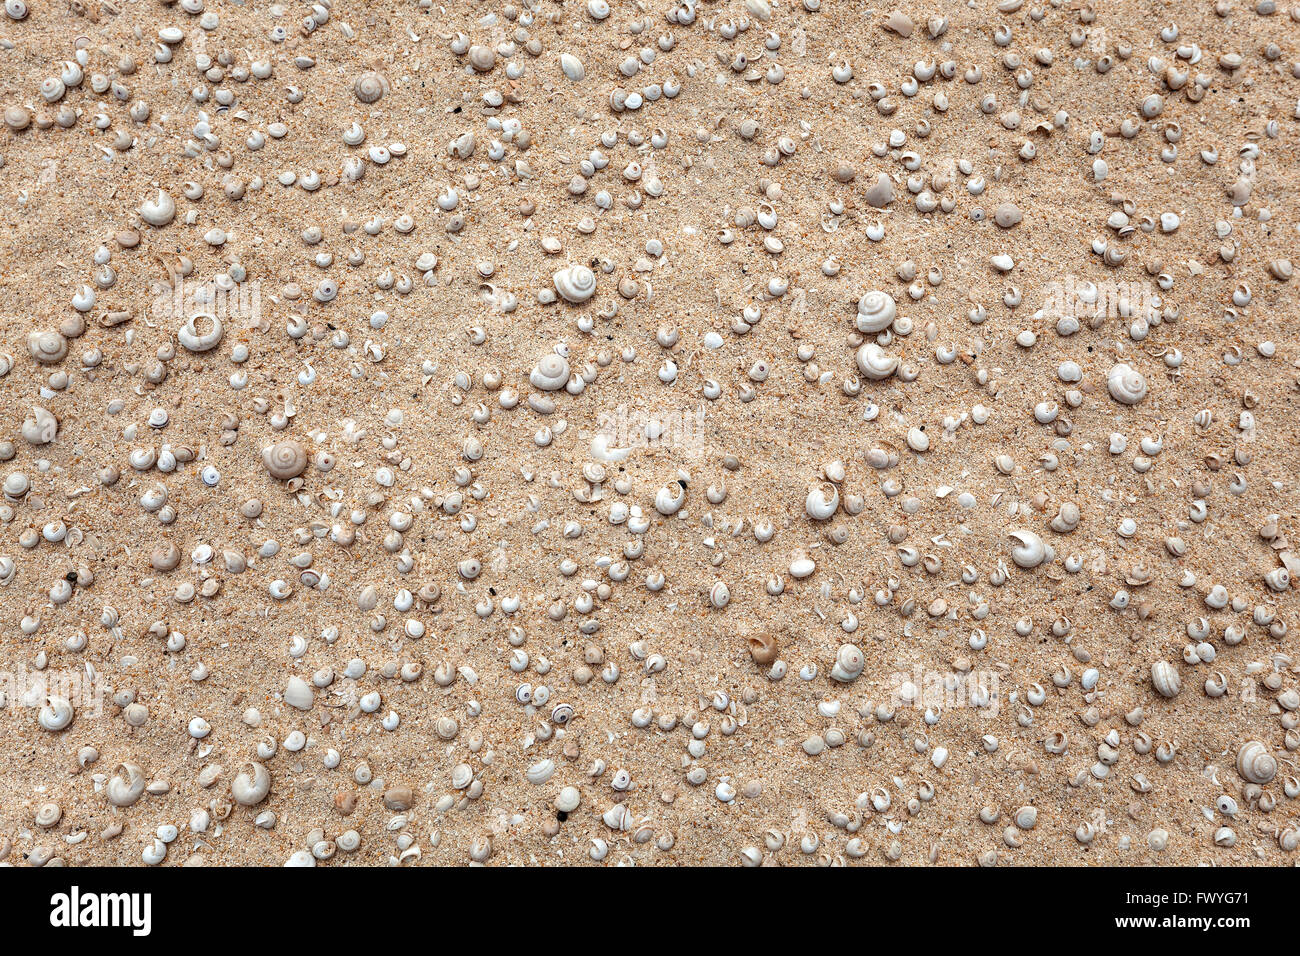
[(682, 431)]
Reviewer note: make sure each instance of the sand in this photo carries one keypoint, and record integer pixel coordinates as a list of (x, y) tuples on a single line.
[(377, 402)]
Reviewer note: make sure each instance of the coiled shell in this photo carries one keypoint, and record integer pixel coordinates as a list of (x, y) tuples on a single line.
[(158, 211), (875, 363), (285, 459), (822, 501), (849, 662), (876, 311), (1125, 384), (47, 346), (575, 284), (126, 785), (194, 340), (1031, 552), (1255, 763), (251, 786), (1165, 679), (550, 374)]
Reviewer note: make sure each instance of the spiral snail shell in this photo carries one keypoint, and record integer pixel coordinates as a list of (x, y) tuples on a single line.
[(194, 340), (1165, 679), (285, 459), (1031, 552), (575, 284), (849, 662), (1255, 763), (126, 785), (46, 345), (822, 501), (41, 428), (550, 374), (369, 87), (251, 786), (159, 211), (56, 715), (875, 363), (1125, 384), (763, 648), (876, 310), (670, 498)]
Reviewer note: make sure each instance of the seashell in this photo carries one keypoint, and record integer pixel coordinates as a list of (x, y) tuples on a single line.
[(195, 341), (617, 817), (159, 211), (875, 363), (763, 648), (1255, 763), (550, 374), (540, 772), (1126, 385), (572, 67), (285, 459), (822, 502), (1164, 678), (562, 714), (575, 284), (41, 428), (126, 785), (369, 87), (1032, 551), (251, 786), (849, 662), (56, 715), (876, 311), (670, 498), (47, 346)]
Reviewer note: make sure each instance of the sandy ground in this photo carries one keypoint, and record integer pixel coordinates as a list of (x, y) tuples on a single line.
[(414, 465)]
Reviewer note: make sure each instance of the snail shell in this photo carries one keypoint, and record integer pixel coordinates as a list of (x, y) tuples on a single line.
[(56, 715), (1255, 763), (369, 87), (1031, 552), (822, 502), (251, 786), (196, 341), (550, 374), (576, 283), (763, 648), (849, 662), (670, 498), (1164, 678), (875, 363), (285, 459), (160, 211), (1125, 384), (46, 345), (126, 785), (41, 428), (876, 310)]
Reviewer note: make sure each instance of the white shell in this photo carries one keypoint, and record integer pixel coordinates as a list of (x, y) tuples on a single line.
[(1032, 551), (572, 67), (1255, 763), (251, 786), (875, 363), (822, 502), (576, 283), (160, 211), (56, 715), (849, 662), (1125, 384), (550, 374), (876, 311), (194, 340), (1164, 678), (41, 428), (126, 785)]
